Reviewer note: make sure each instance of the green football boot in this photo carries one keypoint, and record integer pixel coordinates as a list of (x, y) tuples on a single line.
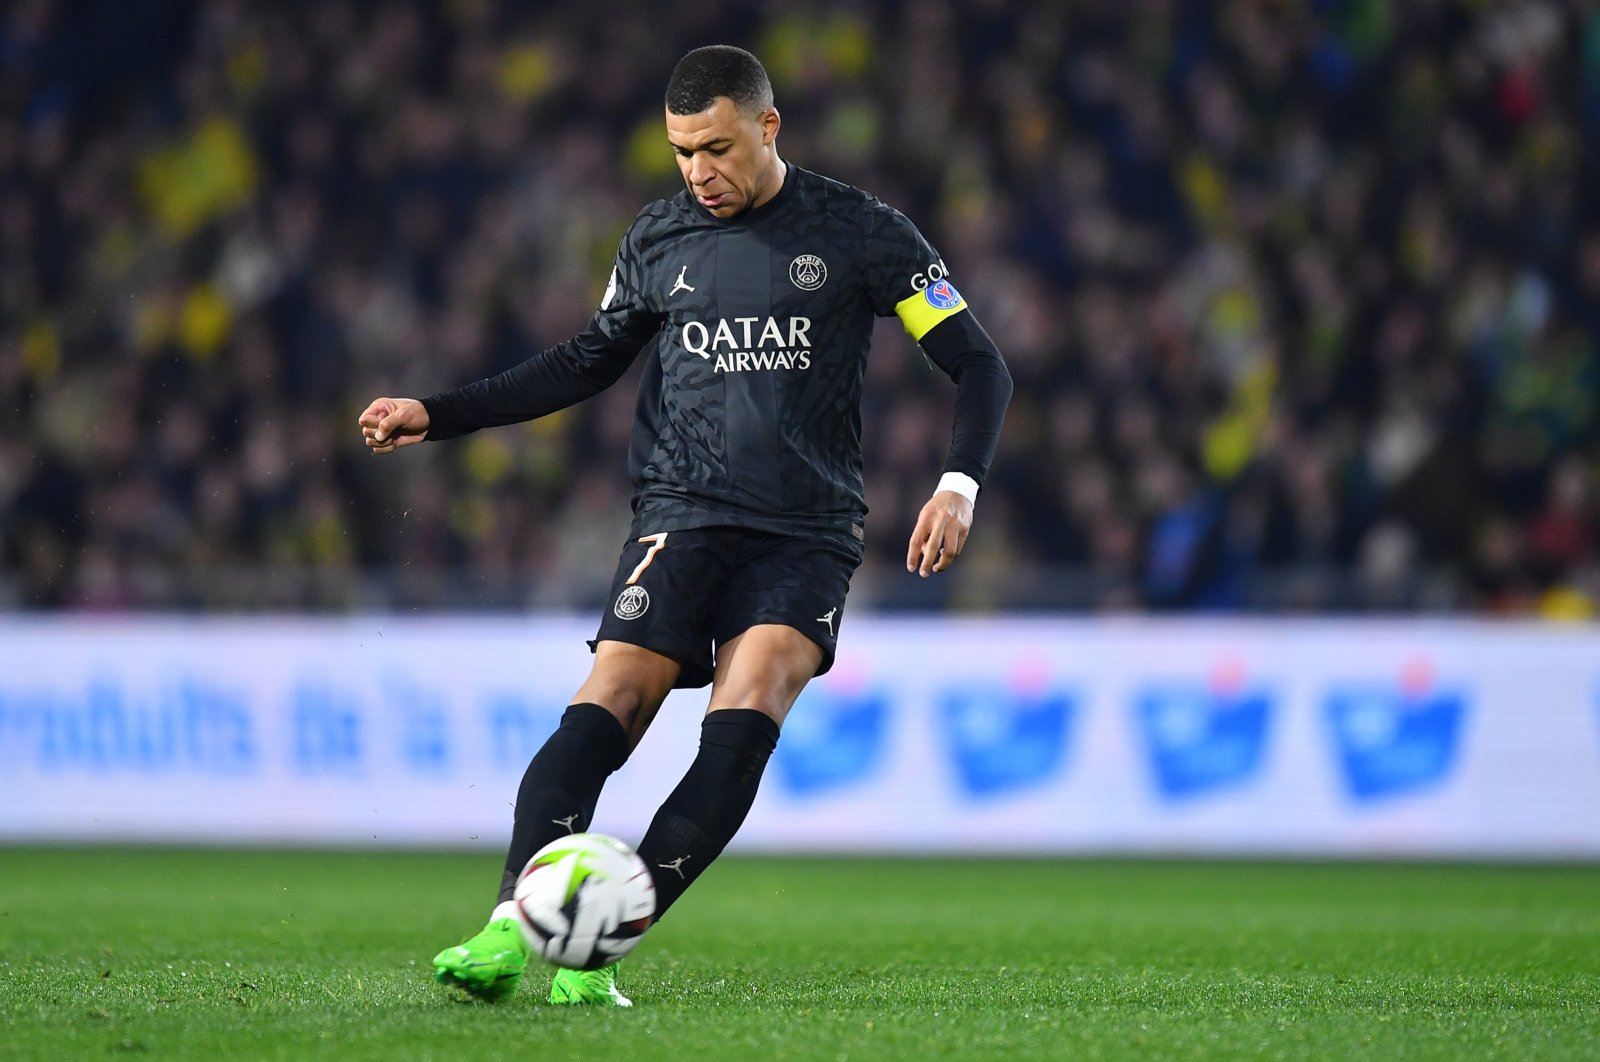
[(488, 965), (588, 987)]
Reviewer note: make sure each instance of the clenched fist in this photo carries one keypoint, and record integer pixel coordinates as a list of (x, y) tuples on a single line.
[(392, 422)]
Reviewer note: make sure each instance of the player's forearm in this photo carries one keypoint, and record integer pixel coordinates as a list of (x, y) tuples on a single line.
[(551, 380), (964, 350), (983, 392)]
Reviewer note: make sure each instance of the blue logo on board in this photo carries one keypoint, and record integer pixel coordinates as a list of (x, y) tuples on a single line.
[(1204, 737), (1004, 739), (831, 739), (1395, 738), (942, 295)]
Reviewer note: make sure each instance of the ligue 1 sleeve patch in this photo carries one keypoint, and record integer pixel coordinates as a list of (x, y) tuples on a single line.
[(942, 295)]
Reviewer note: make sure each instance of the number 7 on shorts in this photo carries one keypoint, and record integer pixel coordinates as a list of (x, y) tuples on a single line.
[(656, 542)]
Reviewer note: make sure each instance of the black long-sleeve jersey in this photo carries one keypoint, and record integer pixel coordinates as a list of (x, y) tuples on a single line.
[(758, 329)]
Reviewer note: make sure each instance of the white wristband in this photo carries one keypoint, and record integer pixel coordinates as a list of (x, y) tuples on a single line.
[(961, 483)]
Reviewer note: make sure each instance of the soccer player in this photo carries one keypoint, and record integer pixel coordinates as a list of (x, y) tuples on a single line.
[(754, 291)]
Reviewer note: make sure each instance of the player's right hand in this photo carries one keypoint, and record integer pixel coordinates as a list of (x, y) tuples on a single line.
[(393, 422)]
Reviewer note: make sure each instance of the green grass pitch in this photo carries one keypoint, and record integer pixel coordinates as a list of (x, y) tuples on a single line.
[(108, 953)]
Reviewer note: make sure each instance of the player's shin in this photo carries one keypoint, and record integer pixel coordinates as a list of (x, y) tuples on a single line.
[(709, 805), (562, 784)]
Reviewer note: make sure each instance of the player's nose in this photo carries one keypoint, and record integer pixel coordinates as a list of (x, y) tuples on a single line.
[(701, 174)]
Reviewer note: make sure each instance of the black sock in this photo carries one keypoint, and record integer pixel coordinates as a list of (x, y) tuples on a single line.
[(701, 816), (562, 784)]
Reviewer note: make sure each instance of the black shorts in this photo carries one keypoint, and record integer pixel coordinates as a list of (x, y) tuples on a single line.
[(684, 593)]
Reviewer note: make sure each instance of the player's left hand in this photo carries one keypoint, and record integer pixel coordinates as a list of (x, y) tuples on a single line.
[(941, 531)]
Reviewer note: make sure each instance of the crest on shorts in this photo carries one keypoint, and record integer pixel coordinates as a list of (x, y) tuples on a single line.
[(808, 272), (632, 603)]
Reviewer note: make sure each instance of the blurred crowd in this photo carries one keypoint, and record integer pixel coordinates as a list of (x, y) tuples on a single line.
[(1301, 297)]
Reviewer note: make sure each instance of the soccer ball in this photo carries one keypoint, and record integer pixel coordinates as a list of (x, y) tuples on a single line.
[(584, 901)]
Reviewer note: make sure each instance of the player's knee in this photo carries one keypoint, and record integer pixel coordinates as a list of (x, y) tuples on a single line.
[(627, 702), (630, 685), (771, 695), (771, 687)]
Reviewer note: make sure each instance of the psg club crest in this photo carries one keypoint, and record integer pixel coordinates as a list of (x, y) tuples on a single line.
[(942, 295), (808, 272), (632, 603)]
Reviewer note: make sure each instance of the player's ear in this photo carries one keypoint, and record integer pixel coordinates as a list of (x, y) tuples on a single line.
[(770, 121)]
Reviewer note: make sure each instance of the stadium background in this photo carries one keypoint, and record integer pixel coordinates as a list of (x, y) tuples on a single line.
[(1291, 544)]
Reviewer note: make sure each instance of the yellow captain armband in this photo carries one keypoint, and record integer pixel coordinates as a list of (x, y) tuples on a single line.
[(923, 309)]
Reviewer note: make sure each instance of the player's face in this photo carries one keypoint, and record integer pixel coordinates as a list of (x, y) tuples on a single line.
[(728, 157)]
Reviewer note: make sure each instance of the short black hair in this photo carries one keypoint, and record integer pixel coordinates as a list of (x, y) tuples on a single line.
[(718, 70)]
